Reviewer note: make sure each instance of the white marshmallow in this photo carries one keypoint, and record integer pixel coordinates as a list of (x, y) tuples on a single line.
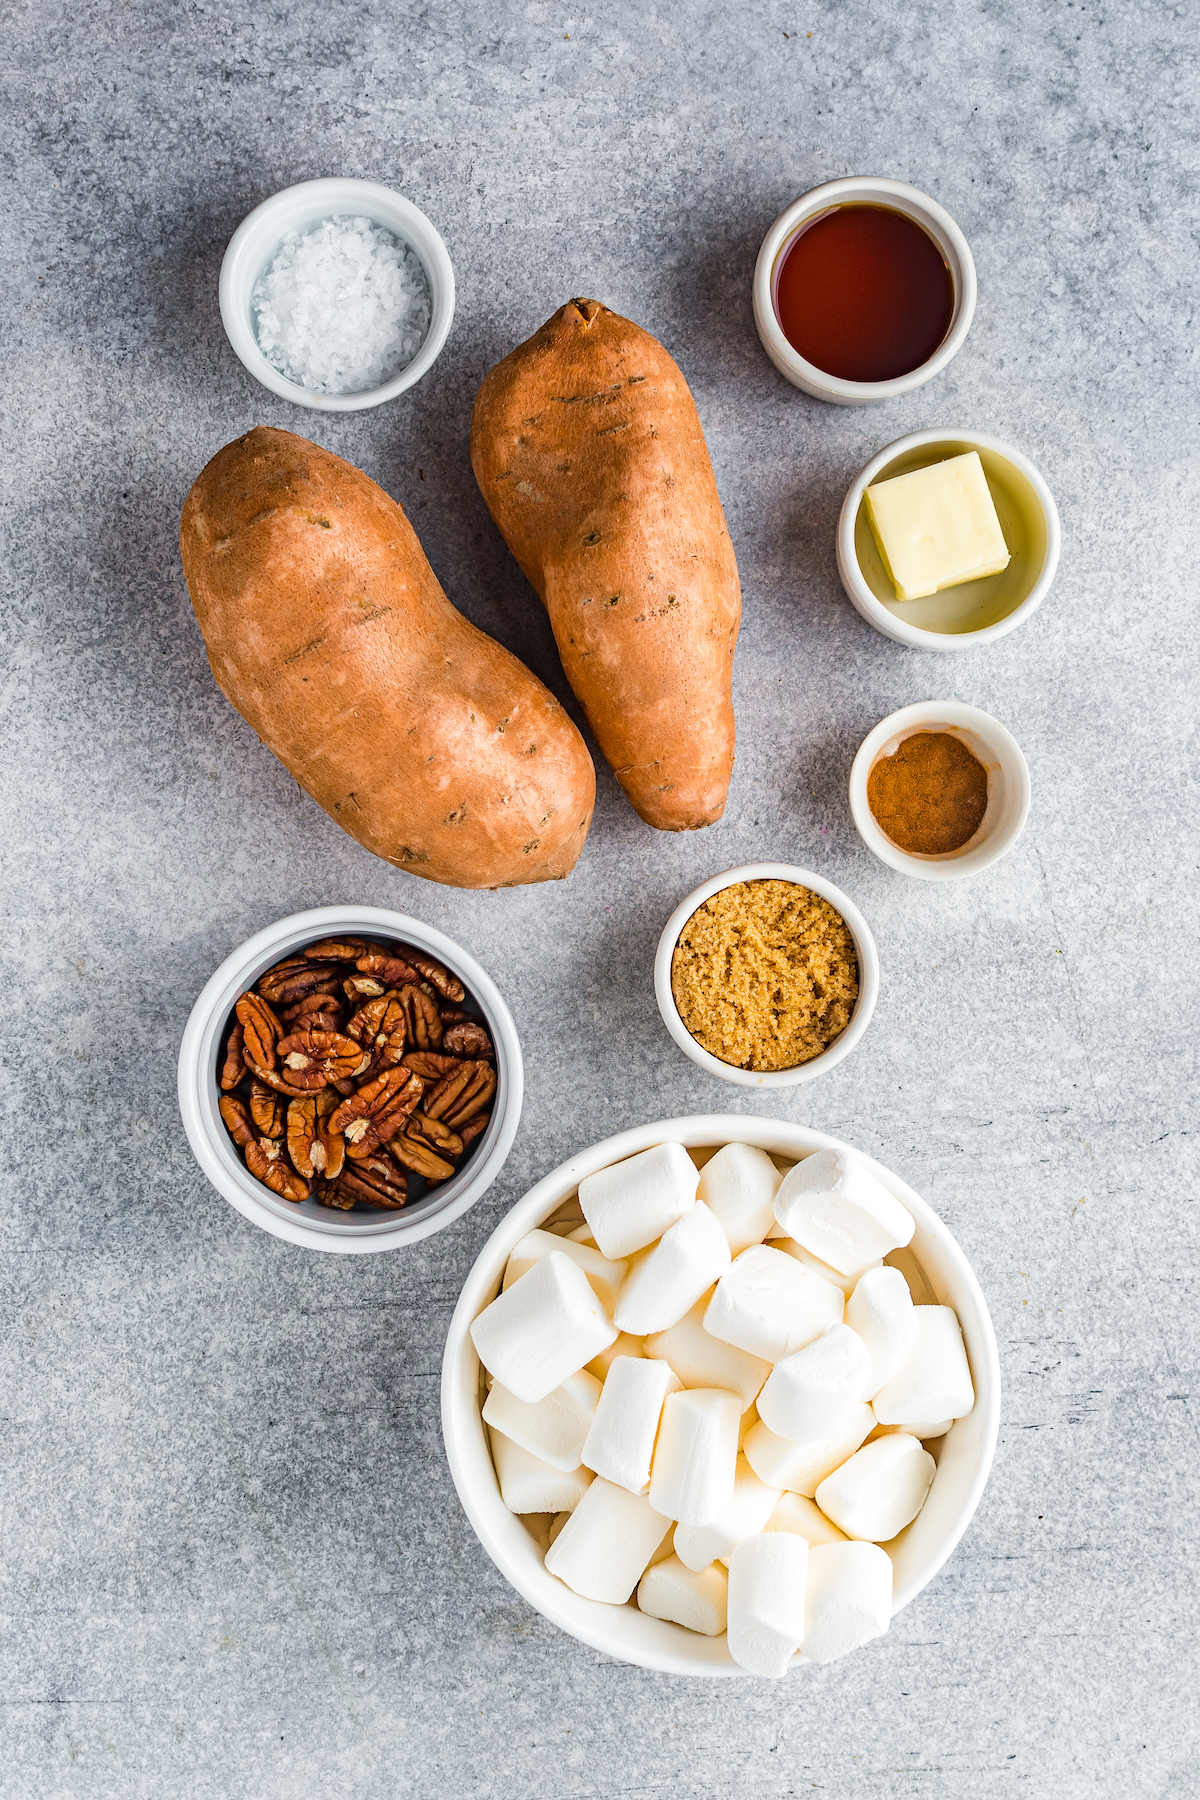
[(825, 1270), (548, 1325), (620, 1443), (768, 1578), (553, 1428), (666, 1280), (701, 1360), (604, 1275), (697, 1599), (926, 1431), (582, 1234), (622, 1345), (631, 1203), (881, 1311), (748, 1418), (606, 1544), (739, 1184), (807, 1395), (880, 1490), (529, 1485), (752, 1504), (934, 1380), (802, 1467), (833, 1205), (849, 1599), (805, 1518), (696, 1455), (770, 1306)]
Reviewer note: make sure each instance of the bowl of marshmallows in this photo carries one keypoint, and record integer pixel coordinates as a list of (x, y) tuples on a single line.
[(720, 1396)]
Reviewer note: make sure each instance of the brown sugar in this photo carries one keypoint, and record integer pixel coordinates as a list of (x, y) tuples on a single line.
[(765, 975), (930, 796)]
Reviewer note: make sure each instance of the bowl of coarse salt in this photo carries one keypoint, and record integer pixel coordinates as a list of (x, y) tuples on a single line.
[(337, 294)]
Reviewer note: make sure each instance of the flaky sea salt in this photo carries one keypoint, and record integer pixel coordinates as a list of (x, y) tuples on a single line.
[(343, 307)]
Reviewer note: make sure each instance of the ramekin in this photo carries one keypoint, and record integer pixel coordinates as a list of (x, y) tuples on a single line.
[(862, 190), (1009, 790), (868, 977), (974, 612), (256, 240), (314, 1226), (964, 1455)]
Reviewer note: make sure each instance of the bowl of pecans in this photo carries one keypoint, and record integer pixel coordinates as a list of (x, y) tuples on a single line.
[(350, 1079)]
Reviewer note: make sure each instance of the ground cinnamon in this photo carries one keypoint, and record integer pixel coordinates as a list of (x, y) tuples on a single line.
[(930, 795)]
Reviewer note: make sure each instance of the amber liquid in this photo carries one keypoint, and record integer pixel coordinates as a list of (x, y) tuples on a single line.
[(864, 293)]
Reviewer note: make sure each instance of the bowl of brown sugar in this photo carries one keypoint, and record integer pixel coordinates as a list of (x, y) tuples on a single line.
[(766, 975), (939, 790)]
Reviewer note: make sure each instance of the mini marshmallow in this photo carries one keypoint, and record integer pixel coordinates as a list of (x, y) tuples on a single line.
[(633, 1202), (802, 1467), (849, 1599), (881, 1311), (880, 1490), (833, 1205), (604, 1547), (748, 1418), (925, 1431), (553, 1428), (768, 1578), (604, 1275), (548, 1325), (739, 1185), (807, 1395), (529, 1485), (620, 1443), (752, 1504), (934, 1380), (825, 1270), (666, 1280), (622, 1345), (770, 1306), (701, 1360), (582, 1234), (697, 1599), (696, 1455), (804, 1517)]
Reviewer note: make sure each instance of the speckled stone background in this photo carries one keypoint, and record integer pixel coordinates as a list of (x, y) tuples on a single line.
[(232, 1560)]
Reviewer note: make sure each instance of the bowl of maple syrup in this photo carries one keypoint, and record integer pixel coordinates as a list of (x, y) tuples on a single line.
[(864, 289)]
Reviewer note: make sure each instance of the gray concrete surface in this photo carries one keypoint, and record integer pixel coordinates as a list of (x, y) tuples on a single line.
[(232, 1560)]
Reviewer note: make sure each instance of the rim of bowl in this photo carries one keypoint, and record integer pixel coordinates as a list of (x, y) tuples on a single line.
[(667, 1649), (258, 236), (1008, 753), (925, 211), (868, 976), (213, 1148), (916, 637)]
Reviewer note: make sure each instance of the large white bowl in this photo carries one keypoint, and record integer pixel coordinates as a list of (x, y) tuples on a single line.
[(964, 1455), (319, 1227)]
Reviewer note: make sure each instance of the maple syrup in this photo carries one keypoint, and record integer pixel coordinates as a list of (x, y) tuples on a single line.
[(864, 293)]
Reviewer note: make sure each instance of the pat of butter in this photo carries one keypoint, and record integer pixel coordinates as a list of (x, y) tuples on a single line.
[(937, 527)]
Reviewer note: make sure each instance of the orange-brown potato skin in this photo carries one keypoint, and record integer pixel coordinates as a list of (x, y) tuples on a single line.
[(589, 451), (329, 632)]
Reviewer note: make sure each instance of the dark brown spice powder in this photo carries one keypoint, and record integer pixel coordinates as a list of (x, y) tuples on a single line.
[(930, 795)]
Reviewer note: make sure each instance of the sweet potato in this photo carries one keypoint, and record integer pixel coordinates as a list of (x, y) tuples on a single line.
[(328, 630), (590, 454)]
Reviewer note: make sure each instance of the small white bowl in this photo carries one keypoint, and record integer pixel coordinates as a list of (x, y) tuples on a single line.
[(974, 612), (258, 237), (1008, 788), (868, 977), (315, 1226), (871, 191), (964, 1455)]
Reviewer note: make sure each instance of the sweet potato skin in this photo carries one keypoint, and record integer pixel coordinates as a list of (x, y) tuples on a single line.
[(329, 632), (589, 451)]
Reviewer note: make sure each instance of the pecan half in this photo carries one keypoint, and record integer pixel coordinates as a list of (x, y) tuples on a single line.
[(380, 1027), (337, 950), (267, 1163), (329, 1193), (468, 1039), (474, 1128), (358, 988), (266, 1109), (314, 1006), (415, 1154), (234, 1065), (290, 981), (374, 1181), (430, 1065), (453, 1015), (439, 1137), (447, 985), (423, 1019), (458, 1097), (302, 1133), (378, 1110), (329, 1148), (261, 1031), (386, 968), (237, 1119), (312, 1059)]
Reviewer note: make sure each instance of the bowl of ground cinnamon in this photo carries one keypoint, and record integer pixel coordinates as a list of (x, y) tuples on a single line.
[(766, 975), (939, 790)]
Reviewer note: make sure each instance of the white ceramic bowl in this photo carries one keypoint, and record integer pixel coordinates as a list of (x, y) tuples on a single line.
[(964, 1455), (256, 240), (868, 977), (861, 190), (1008, 788), (318, 1227), (974, 612)]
